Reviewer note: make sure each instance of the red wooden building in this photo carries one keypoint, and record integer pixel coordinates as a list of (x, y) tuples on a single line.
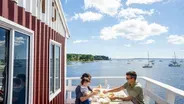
[(33, 37)]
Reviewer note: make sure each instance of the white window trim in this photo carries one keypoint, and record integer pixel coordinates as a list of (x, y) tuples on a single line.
[(12, 26), (55, 93)]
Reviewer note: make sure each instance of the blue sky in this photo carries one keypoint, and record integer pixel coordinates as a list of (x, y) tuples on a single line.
[(125, 28)]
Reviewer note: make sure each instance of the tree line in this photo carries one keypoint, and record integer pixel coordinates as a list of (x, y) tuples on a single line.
[(85, 57)]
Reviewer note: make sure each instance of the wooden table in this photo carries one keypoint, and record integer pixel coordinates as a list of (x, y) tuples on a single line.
[(121, 93)]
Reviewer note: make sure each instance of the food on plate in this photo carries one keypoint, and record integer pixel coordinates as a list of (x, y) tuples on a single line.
[(111, 95), (89, 92), (100, 86), (96, 89), (104, 101), (101, 95)]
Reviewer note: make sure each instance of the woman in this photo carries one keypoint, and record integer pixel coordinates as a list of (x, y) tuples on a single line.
[(82, 95)]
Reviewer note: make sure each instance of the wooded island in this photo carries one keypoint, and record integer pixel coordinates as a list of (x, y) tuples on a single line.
[(85, 57)]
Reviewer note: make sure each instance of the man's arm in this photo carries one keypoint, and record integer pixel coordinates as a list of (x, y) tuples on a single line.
[(126, 98), (116, 89), (123, 99)]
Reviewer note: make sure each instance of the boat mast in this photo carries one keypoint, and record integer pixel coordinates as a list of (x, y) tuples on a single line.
[(175, 56), (148, 57)]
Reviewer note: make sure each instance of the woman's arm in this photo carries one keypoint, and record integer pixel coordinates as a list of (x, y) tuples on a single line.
[(84, 98)]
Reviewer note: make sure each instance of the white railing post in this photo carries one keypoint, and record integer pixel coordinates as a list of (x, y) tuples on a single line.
[(170, 97), (69, 97), (147, 87), (106, 82)]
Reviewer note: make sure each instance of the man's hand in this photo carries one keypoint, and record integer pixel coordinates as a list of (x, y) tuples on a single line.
[(105, 91), (113, 98)]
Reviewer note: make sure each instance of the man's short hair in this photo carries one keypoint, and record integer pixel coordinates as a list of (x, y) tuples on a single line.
[(132, 74)]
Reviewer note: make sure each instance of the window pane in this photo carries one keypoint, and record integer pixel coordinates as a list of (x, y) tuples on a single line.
[(51, 69), (21, 68), (57, 67), (3, 64)]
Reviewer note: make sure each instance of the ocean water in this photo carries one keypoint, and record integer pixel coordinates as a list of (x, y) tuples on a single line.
[(173, 76)]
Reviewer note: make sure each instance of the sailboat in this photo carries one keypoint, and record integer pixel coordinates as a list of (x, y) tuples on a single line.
[(147, 65), (128, 62), (160, 61), (174, 63)]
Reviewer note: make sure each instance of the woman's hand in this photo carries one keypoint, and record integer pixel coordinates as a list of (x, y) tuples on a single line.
[(94, 93)]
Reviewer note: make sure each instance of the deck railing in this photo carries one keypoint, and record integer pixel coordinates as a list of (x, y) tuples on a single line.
[(149, 95)]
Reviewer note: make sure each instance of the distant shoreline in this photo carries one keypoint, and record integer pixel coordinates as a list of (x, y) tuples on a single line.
[(86, 57)]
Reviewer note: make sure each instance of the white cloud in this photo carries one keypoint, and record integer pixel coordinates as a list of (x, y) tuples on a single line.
[(129, 2), (19, 41), (127, 45), (176, 39), (133, 30), (87, 16), (131, 13), (80, 41), (150, 41), (109, 7)]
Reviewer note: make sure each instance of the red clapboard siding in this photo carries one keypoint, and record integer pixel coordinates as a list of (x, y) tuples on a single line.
[(21, 16), (4, 8), (38, 64), (42, 36), (12, 11), (28, 20)]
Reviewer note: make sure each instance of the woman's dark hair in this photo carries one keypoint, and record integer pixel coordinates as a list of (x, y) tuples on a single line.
[(132, 74), (85, 79), (86, 75)]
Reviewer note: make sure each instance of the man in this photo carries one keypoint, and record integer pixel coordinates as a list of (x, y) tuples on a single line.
[(134, 89)]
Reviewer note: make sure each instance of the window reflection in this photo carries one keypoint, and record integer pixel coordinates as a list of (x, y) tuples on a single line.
[(3, 64), (21, 68), (57, 79)]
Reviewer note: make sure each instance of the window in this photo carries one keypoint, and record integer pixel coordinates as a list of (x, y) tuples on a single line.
[(4, 46), (21, 68), (55, 67), (16, 63), (43, 6), (53, 12)]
